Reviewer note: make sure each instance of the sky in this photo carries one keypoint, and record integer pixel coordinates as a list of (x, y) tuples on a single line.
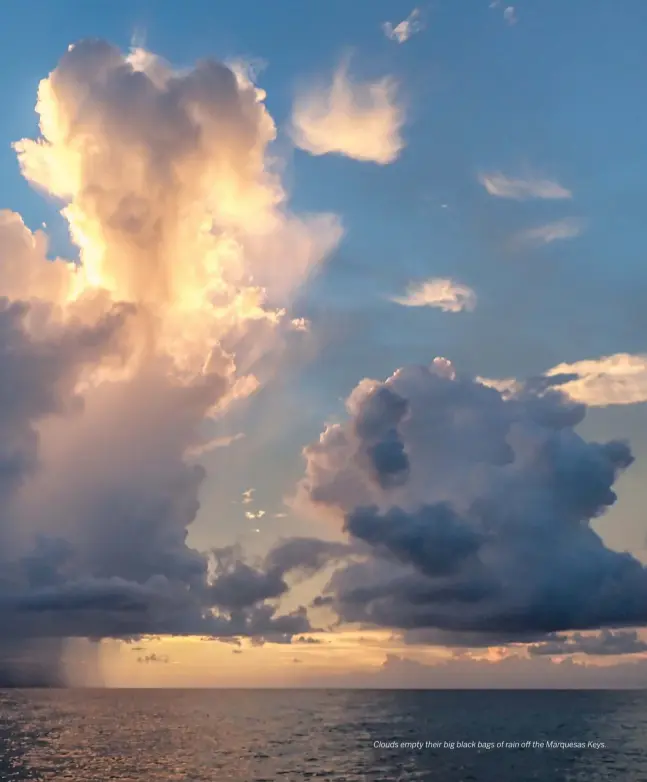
[(323, 354)]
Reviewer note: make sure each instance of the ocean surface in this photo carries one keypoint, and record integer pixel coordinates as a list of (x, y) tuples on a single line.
[(288, 735)]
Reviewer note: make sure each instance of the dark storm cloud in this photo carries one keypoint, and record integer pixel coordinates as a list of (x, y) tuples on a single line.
[(489, 536), (606, 642), (237, 585)]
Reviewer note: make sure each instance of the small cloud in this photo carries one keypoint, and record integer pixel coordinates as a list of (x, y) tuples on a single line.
[(296, 660), (153, 658), (248, 496), (280, 515), (510, 15), (567, 228), (408, 27), (443, 293), (236, 651), (360, 120), (251, 514), (522, 189), (300, 324)]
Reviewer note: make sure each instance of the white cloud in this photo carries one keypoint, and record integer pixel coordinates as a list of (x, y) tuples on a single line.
[(406, 28), (300, 324), (620, 379), (567, 228), (522, 188), (446, 294), (250, 514), (510, 15), (248, 496), (360, 120)]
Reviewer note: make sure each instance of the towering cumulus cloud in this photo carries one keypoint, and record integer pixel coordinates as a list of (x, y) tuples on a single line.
[(471, 510), (188, 256)]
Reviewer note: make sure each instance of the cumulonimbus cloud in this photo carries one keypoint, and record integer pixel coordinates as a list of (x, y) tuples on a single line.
[(472, 510), (360, 120), (522, 188), (442, 293), (188, 259), (401, 32)]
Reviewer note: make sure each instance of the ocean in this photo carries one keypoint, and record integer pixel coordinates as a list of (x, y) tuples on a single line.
[(336, 735)]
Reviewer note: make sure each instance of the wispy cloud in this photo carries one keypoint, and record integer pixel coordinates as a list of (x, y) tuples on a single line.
[(443, 293), (619, 379), (248, 496), (406, 28), (566, 228), (211, 445), (251, 514), (360, 120), (522, 188)]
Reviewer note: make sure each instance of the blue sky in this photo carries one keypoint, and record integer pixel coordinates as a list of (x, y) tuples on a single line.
[(556, 94)]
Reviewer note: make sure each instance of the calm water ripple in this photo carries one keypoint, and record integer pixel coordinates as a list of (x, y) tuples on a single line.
[(267, 735)]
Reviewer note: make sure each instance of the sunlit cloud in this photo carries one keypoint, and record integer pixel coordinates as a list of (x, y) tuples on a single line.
[(522, 188), (442, 293), (248, 496), (360, 120), (175, 310), (619, 379), (408, 27)]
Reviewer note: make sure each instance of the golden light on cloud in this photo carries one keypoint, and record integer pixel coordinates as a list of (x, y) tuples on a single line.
[(169, 195), (360, 120)]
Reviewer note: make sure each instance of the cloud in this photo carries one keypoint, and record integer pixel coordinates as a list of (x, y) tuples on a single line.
[(360, 120), (510, 15), (445, 294), (514, 672), (405, 29), (248, 496), (188, 260), (607, 642), (522, 189), (214, 443), (237, 585), (472, 510), (567, 228), (254, 514), (153, 658), (300, 324), (619, 379)]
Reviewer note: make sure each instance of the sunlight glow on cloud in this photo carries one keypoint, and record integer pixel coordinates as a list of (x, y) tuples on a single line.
[(189, 259), (522, 188), (443, 293), (360, 120), (406, 28), (620, 379)]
